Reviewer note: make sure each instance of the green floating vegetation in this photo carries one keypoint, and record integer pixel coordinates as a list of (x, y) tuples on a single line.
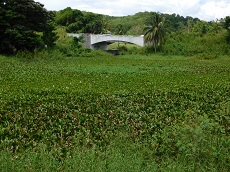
[(130, 113)]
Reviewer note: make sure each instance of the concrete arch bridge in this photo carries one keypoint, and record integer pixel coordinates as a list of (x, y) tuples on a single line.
[(101, 41)]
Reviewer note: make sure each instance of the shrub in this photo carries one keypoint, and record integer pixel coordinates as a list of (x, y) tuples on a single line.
[(123, 49)]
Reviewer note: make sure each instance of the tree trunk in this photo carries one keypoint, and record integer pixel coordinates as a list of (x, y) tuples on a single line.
[(154, 44)]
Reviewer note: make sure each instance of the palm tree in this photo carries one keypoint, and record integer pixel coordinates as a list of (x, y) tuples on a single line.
[(154, 32)]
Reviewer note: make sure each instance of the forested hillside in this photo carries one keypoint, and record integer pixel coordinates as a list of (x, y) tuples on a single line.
[(179, 35), (164, 33), (80, 21)]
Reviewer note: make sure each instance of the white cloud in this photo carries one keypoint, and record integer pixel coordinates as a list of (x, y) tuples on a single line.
[(203, 9), (215, 9)]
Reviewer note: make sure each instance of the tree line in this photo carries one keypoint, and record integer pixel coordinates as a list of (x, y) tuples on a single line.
[(27, 25)]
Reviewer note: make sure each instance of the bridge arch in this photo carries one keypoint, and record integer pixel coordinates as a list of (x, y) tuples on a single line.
[(104, 45), (95, 41)]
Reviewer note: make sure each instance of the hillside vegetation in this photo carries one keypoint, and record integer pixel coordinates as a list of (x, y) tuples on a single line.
[(184, 35)]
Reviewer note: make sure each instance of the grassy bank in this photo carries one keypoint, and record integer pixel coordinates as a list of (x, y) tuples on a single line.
[(128, 113)]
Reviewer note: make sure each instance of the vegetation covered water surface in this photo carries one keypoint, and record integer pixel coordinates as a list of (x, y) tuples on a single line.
[(150, 112)]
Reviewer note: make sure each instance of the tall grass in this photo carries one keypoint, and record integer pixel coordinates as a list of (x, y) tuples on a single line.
[(208, 46)]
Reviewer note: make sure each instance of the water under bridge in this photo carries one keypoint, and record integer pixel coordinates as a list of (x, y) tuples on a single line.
[(101, 41)]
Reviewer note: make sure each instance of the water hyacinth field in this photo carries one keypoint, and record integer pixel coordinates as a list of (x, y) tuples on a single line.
[(124, 113)]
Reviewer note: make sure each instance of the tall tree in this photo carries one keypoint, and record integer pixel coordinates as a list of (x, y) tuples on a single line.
[(94, 23), (227, 26), (68, 16), (22, 24), (154, 31)]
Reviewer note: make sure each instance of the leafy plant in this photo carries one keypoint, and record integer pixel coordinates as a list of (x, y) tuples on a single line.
[(160, 110)]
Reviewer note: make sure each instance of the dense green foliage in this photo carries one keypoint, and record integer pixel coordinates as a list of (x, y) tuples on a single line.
[(208, 46), (79, 22), (172, 107), (130, 25), (21, 21), (185, 36), (182, 34), (134, 24), (227, 26)]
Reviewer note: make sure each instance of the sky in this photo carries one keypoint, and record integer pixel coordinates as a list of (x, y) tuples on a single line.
[(208, 10)]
